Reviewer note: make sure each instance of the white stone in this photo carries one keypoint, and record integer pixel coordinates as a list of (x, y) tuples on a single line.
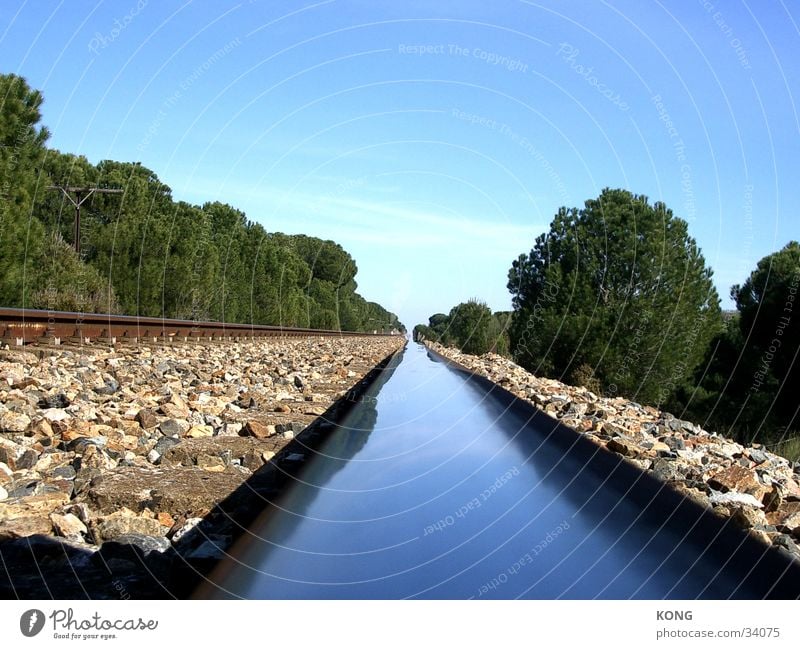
[(68, 525), (188, 526), (55, 414), (735, 498), (14, 422)]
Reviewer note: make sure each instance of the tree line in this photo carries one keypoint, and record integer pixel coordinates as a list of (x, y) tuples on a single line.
[(618, 298), (145, 253)]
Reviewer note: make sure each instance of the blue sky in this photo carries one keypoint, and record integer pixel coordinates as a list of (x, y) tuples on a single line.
[(435, 140)]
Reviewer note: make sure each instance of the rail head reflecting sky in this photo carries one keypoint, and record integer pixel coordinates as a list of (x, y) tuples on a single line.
[(455, 495)]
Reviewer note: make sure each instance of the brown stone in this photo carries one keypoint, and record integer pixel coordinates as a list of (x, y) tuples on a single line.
[(165, 519), (210, 462), (24, 526), (124, 521), (40, 504), (791, 490), (68, 525), (737, 478), (175, 408), (147, 418), (199, 431), (187, 452), (624, 447), (258, 430), (14, 422), (748, 517), (186, 491), (786, 518), (30, 515)]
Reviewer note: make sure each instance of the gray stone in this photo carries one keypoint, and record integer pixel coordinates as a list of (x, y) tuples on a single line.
[(22, 489), (27, 460), (174, 427), (145, 543), (64, 472), (785, 541), (164, 444), (109, 387), (59, 400), (675, 443), (667, 470), (80, 444)]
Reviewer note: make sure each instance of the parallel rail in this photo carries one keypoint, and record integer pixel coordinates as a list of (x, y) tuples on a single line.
[(26, 326)]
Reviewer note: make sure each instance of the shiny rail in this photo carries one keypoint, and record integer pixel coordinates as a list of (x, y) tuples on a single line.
[(26, 326), (440, 484)]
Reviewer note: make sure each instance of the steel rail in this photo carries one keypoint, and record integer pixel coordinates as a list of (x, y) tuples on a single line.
[(28, 326)]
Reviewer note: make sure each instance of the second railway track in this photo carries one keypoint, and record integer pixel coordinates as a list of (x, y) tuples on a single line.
[(19, 327)]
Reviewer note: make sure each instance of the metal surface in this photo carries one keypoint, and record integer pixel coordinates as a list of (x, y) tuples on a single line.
[(23, 326), (442, 485)]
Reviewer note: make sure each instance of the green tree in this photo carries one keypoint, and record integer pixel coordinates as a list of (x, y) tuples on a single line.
[(161, 257), (749, 382), (469, 326), (769, 322), (619, 287), (67, 284), (22, 148)]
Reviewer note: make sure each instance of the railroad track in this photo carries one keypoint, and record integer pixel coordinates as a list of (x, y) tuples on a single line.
[(29, 326)]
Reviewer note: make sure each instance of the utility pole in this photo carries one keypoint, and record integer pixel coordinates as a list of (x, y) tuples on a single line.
[(81, 195)]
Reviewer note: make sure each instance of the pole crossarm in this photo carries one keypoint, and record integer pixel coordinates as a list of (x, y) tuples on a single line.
[(81, 194)]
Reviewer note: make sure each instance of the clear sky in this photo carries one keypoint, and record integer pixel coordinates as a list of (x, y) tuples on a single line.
[(435, 139)]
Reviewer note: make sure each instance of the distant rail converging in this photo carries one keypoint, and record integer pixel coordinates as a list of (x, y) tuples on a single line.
[(28, 326)]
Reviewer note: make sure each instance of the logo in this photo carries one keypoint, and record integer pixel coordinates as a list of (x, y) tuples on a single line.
[(31, 622)]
